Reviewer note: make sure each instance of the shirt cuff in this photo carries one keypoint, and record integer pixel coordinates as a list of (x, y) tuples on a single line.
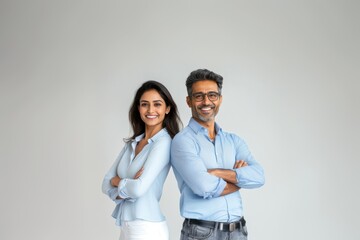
[(113, 193), (118, 201), (238, 175), (121, 190), (217, 192)]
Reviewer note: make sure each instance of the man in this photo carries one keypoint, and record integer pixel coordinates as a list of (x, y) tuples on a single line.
[(211, 166)]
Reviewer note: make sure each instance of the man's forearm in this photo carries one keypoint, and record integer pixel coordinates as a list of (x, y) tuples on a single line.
[(226, 174), (229, 188)]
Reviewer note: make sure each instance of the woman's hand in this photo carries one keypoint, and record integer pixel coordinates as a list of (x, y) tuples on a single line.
[(115, 181), (139, 173)]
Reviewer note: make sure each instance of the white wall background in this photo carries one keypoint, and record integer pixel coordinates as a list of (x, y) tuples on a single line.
[(69, 70)]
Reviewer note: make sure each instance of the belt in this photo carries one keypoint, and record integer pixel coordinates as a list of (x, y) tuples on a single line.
[(222, 226)]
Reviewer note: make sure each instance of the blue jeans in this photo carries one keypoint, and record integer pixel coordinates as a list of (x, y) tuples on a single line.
[(195, 232)]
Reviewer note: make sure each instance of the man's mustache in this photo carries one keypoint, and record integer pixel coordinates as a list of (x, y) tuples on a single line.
[(204, 106)]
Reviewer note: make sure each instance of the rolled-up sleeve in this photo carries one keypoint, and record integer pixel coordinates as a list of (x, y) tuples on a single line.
[(188, 164), (107, 188), (251, 176)]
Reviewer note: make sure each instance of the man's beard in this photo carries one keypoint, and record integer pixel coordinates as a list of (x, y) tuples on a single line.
[(205, 118)]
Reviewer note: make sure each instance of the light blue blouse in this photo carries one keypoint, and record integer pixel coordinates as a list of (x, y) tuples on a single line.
[(140, 196)]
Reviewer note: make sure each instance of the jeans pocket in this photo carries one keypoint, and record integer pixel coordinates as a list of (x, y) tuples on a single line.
[(198, 232)]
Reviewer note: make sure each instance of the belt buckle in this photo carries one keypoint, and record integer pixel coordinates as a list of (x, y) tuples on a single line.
[(221, 226), (232, 226)]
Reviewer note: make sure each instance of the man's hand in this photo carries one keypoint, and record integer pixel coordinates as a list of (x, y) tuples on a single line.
[(229, 188), (240, 164), (229, 175)]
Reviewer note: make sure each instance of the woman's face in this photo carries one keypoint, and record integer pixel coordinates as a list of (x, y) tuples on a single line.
[(152, 109)]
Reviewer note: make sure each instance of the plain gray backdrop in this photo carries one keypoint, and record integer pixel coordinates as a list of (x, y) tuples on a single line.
[(69, 70)]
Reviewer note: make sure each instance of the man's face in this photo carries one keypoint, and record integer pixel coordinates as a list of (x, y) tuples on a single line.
[(204, 101)]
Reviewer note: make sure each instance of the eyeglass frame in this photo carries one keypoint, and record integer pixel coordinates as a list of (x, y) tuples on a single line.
[(194, 95)]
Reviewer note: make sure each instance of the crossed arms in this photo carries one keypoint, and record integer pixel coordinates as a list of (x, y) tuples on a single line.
[(155, 167), (190, 161), (229, 176), (115, 181)]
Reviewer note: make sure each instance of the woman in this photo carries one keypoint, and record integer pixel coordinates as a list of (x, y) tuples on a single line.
[(136, 179)]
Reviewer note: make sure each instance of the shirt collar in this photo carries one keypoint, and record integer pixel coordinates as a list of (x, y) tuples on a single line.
[(196, 127), (159, 134)]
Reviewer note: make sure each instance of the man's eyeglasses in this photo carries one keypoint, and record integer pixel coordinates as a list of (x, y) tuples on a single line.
[(212, 96)]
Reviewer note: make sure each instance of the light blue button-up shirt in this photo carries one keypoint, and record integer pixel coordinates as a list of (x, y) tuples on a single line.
[(192, 154), (140, 196)]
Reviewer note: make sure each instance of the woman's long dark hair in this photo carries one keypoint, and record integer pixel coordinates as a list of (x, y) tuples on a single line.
[(171, 121)]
